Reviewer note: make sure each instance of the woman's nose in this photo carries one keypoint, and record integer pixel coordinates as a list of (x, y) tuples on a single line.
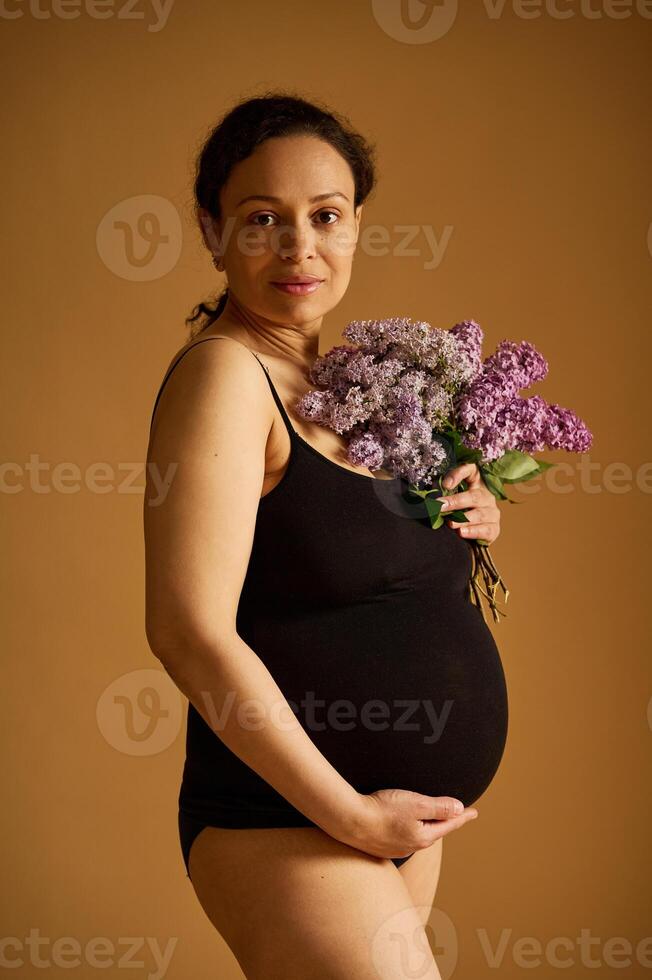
[(295, 242)]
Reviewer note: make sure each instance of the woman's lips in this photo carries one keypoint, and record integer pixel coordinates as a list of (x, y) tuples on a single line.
[(298, 288)]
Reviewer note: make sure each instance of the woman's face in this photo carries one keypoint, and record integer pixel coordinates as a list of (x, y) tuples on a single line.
[(300, 220)]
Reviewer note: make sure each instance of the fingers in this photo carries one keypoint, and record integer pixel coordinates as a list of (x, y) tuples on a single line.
[(488, 532), (440, 828), (433, 830), (477, 493), (486, 514), (465, 471), (438, 807), (483, 499), (482, 522)]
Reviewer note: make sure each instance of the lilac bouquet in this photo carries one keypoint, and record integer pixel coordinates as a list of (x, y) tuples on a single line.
[(416, 400)]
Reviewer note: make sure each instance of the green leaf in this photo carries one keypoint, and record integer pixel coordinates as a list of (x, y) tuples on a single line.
[(415, 492), (541, 466), (494, 483), (523, 479), (514, 465), (434, 512)]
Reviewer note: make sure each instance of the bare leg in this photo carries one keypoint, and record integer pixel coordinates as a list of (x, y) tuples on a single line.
[(294, 902), (421, 876)]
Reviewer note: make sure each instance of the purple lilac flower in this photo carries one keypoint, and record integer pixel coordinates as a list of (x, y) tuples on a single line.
[(530, 425), (393, 391), (481, 402), (470, 335), (522, 362), (419, 344), (564, 430), (406, 381)]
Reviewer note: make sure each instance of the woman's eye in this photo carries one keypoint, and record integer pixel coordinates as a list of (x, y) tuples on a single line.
[(256, 218), (326, 211)]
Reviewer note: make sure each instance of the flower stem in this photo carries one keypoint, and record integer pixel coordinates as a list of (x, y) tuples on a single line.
[(482, 565)]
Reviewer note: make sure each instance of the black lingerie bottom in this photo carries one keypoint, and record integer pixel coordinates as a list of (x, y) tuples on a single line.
[(189, 828)]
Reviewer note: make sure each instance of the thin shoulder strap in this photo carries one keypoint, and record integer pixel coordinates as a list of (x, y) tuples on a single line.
[(275, 394)]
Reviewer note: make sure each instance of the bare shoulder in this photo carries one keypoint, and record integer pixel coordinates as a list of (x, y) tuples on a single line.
[(208, 381), (205, 470)]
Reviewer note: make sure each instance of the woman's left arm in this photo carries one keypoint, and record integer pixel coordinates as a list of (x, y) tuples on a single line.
[(483, 515)]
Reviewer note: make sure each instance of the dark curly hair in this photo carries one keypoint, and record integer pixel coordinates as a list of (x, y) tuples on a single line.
[(246, 126)]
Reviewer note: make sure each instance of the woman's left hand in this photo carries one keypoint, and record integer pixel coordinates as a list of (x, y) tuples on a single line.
[(484, 514)]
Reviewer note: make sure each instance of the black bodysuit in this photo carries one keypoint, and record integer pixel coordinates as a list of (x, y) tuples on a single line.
[(359, 610)]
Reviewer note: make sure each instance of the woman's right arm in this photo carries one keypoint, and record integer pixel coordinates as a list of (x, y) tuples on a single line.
[(209, 435)]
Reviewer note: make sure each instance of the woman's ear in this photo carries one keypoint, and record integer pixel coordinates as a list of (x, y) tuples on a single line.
[(209, 231), (358, 214)]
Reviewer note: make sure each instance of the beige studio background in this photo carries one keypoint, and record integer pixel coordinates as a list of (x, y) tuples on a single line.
[(514, 137)]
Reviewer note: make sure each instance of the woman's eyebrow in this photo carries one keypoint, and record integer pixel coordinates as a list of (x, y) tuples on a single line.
[(278, 200)]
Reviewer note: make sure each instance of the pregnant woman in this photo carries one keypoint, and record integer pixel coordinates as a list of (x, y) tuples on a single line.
[(347, 702)]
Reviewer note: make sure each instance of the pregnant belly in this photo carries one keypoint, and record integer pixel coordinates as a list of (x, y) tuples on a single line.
[(401, 692)]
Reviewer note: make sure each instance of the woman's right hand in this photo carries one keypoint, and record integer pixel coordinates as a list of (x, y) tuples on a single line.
[(396, 822)]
